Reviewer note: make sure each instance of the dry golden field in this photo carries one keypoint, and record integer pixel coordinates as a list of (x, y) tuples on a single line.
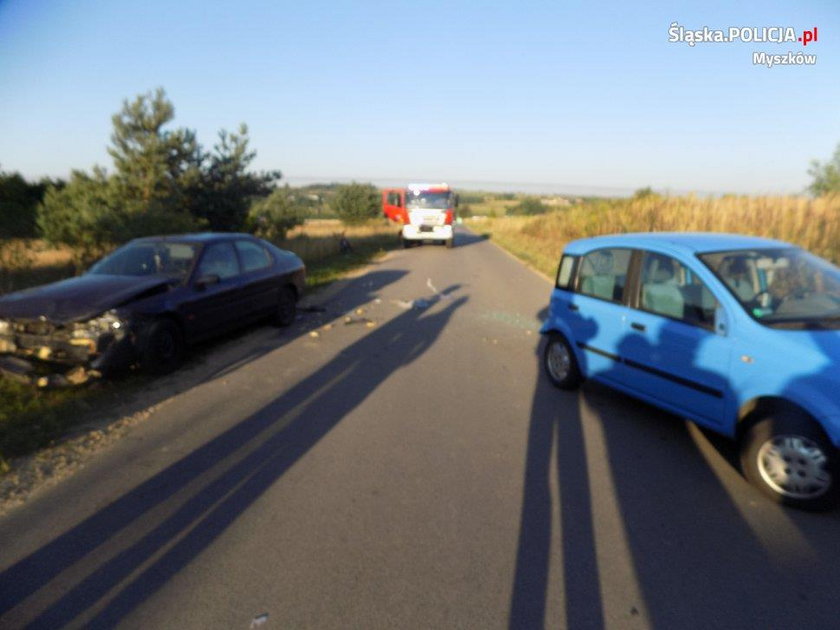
[(810, 223)]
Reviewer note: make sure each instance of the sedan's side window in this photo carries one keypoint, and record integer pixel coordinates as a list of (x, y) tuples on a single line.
[(603, 273), (219, 259), (670, 288), (253, 256)]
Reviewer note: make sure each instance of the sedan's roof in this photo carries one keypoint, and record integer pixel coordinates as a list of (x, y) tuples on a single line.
[(196, 237), (686, 242)]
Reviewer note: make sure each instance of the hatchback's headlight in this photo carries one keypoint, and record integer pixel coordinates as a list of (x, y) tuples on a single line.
[(105, 323)]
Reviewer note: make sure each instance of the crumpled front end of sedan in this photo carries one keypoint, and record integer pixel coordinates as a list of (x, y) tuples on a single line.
[(46, 353)]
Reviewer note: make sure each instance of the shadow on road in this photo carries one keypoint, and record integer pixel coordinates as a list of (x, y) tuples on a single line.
[(229, 473), (555, 431), (126, 394), (464, 237), (628, 490)]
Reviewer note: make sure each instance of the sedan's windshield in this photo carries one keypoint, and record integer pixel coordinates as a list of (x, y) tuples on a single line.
[(146, 258), (425, 199), (780, 286)]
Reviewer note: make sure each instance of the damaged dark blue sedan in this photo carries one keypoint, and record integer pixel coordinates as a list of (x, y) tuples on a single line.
[(144, 304)]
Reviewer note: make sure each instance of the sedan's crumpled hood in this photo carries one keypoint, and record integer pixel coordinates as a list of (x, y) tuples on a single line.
[(76, 299)]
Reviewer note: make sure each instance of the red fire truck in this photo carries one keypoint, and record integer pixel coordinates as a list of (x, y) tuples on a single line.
[(425, 211)]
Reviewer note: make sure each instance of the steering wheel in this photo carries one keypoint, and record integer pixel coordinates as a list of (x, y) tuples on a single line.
[(763, 298)]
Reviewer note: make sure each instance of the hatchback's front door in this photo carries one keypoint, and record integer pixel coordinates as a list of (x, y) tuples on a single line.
[(672, 351)]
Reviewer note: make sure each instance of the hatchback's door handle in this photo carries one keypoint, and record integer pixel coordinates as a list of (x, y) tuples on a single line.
[(637, 326), (574, 307)]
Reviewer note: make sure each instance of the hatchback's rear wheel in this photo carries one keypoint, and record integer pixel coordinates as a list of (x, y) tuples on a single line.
[(789, 458)]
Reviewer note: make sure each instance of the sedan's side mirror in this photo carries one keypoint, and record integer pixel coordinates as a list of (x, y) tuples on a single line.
[(206, 281)]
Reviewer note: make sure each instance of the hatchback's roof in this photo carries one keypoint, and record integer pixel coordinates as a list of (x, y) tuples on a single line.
[(687, 242)]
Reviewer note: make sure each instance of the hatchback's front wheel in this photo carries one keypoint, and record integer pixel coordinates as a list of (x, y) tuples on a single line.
[(789, 458), (560, 363)]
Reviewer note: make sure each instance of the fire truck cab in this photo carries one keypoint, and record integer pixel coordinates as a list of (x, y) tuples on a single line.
[(426, 212)]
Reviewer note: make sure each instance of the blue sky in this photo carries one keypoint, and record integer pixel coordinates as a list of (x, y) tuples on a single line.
[(559, 96)]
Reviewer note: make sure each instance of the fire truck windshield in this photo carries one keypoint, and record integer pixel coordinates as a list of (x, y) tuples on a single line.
[(426, 199)]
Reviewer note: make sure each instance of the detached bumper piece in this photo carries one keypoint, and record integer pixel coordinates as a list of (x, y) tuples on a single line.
[(27, 373)]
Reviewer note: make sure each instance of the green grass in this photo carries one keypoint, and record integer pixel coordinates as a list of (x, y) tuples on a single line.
[(321, 273), (31, 419)]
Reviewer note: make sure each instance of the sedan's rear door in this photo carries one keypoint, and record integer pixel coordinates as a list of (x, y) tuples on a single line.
[(216, 302), (260, 282)]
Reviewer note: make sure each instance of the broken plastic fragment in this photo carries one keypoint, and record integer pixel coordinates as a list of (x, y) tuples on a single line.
[(77, 375), (437, 293), (418, 303), (348, 321), (53, 380), (259, 620)]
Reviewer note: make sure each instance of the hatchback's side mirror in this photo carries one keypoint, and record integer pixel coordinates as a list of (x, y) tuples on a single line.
[(208, 280), (721, 322)]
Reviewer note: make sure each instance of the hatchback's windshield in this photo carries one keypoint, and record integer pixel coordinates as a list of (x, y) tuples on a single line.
[(778, 286), (146, 258), (423, 199)]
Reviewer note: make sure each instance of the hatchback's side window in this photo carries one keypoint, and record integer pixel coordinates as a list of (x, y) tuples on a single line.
[(564, 271), (219, 259), (670, 288), (253, 256), (603, 273)]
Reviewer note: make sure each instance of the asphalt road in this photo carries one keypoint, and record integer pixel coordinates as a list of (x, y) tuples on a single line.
[(417, 472)]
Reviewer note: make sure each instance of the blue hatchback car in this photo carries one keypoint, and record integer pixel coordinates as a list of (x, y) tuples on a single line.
[(739, 334)]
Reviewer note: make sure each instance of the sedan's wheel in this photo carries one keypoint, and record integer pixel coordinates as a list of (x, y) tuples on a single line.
[(162, 350), (286, 308), (560, 363), (789, 459)]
